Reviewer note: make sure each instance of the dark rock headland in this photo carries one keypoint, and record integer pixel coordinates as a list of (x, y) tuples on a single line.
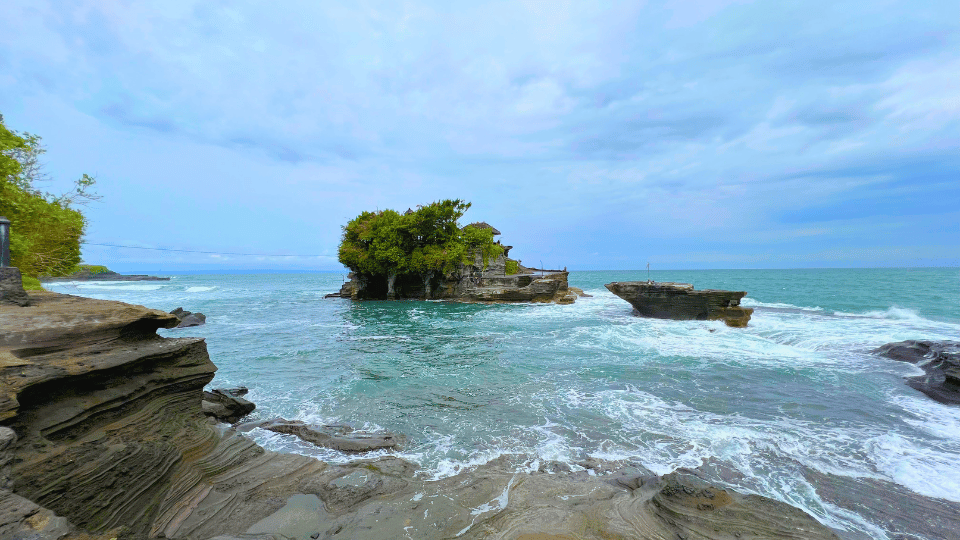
[(680, 301), (102, 436), (109, 275), (939, 359)]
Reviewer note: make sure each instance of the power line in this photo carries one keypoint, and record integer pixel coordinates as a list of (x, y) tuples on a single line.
[(204, 252)]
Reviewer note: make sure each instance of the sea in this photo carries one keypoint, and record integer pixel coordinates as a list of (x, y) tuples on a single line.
[(464, 383)]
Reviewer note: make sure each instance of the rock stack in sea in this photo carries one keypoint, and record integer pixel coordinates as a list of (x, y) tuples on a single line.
[(102, 436), (681, 301), (499, 280)]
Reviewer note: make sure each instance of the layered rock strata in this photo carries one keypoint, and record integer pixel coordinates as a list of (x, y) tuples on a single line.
[(102, 436), (680, 301), (940, 360)]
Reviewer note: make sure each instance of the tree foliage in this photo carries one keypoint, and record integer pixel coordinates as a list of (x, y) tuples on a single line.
[(418, 242), (46, 229)]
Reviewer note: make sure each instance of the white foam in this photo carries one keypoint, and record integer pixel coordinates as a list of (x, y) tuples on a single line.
[(913, 465), (200, 289)]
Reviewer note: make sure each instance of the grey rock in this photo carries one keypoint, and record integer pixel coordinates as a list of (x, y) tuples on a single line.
[(680, 301), (335, 437), (11, 288), (940, 361), (188, 318), (225, 407), (889, 506)]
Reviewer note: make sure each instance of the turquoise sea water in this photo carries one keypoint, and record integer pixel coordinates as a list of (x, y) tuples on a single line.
[(464, 383)]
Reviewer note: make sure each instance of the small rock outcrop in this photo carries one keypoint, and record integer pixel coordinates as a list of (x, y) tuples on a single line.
[(342, 438), (226, 405), (939, 359), (680, 301), (11, 287), (188, 318)]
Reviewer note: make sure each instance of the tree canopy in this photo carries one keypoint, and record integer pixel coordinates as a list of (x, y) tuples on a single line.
[(420, 241), (46, 229)]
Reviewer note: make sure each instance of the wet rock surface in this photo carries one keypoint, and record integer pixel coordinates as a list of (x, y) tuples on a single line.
[(681, 301), (890, 507), (339, 437), (188, 318), (940, 361), (226, 404)]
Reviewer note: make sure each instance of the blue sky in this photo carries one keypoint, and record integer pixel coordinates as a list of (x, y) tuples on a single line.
[(710, 134)]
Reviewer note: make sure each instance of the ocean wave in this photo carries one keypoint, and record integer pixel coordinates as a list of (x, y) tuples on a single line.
[(118, 286), (892, 313), (200, 289)]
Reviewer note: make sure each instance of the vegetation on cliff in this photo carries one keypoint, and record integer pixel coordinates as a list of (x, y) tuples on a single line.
[(46, 229), (421, 242)]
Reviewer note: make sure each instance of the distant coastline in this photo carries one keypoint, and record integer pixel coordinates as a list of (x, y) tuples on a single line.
[(100, 273)]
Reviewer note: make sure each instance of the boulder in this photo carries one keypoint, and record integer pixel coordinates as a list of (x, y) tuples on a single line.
[(226, 405), (11, 288), (681, 302), (188, 318), (939, 359)]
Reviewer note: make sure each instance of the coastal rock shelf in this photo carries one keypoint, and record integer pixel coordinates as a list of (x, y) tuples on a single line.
[(102, 436), (940, 361), (680, 301)]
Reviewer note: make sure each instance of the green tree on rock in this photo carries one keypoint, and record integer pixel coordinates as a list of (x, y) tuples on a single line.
[(425, 242), (46, 230)]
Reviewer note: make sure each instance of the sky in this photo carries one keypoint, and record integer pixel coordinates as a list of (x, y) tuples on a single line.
[(593, 135)]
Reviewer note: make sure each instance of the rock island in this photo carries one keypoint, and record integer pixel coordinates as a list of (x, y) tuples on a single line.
[(424, 254), (680, 301)]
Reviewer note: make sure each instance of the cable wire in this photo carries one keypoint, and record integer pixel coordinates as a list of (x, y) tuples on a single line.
[(204, 252)]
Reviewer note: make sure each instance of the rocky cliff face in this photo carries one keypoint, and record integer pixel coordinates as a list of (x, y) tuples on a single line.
[(103, 436), (681, 301)]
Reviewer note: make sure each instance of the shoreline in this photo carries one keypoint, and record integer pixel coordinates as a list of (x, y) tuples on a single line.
[(872, 508), (160, 403)]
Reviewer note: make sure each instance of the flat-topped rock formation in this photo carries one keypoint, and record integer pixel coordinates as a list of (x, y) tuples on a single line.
[(682, 302), (102, 436)]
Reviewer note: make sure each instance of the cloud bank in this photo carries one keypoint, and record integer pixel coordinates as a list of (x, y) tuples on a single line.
[(689, 134)]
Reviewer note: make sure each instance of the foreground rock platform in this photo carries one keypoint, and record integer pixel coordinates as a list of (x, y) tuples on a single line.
[(681, 302), (102, 436)]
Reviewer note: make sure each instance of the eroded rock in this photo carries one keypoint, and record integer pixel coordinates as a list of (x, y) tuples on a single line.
[(188, 318), (226, 405), (11, 287), (341, 438), (680, 301), (939, 359)]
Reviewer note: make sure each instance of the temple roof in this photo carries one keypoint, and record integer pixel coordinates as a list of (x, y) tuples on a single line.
[(483, 225)]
